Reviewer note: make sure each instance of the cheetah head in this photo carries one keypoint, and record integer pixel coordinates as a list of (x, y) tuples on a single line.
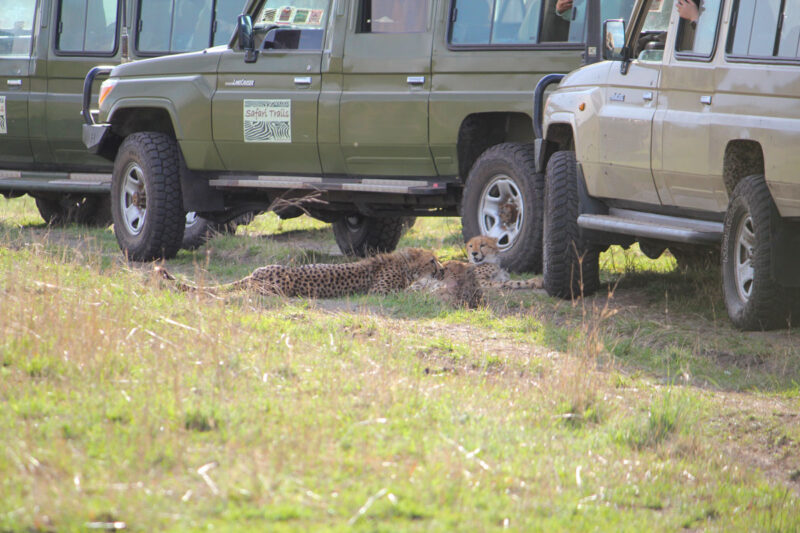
[(483, 249), (423, 263)]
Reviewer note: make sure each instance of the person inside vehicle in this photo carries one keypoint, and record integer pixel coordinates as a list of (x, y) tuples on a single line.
[(688, 10), (556, 17), (564, 9)]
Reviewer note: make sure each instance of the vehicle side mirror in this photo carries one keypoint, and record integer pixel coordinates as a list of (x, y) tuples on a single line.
[(247, 41), (614, 40)]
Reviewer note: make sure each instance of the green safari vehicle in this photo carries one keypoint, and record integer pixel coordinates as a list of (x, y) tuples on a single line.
[(361, 113), (46, 49)]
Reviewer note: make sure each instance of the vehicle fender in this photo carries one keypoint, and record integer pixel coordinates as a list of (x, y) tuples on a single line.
[(149, 103)]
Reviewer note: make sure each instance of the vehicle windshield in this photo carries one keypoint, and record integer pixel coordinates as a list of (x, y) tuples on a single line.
[(297, 14), (16, 25), (609, 10)]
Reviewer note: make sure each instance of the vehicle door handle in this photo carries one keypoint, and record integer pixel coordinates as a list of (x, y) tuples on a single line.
[(303, 80), (705, 99), (647, 96), (14, 83), (416, 80)]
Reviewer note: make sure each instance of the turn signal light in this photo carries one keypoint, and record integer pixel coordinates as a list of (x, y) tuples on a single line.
[(105, 90), (582, 106)]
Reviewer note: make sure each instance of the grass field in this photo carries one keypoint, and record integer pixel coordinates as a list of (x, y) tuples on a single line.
[(126, 404)]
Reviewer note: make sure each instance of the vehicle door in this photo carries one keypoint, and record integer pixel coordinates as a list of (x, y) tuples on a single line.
[(682, 128), (86, 35), (265, 113), (385, 89), (16, 38), (617, 162)]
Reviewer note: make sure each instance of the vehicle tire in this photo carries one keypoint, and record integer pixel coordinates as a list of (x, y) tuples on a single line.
[(146, 201), (755, 301), (63, 209), (571, 266), (651, 249), (695, 257), (359, 235), (199, 230), (503, 199), (102, 216)]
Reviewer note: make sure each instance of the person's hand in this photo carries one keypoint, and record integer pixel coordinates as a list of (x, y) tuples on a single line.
[(563, 5), (688, 10)]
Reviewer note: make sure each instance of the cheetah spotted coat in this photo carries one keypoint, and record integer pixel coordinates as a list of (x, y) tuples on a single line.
[(380, 274)]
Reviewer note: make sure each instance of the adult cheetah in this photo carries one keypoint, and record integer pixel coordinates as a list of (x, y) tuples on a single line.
[(380, 274)]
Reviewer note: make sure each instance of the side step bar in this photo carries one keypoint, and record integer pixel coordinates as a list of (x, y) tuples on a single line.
[(59, 182), (390, 186), (652, 226)]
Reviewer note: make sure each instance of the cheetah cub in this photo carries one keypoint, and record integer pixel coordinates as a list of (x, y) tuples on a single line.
[(483, 252)]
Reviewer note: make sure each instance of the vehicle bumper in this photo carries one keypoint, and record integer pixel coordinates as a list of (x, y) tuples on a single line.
[(94, 135)]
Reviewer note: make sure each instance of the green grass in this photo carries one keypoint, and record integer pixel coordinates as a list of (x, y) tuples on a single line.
[(126, 401)]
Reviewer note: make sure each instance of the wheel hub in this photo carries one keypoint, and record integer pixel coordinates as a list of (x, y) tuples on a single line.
[(744, 274), (508, 214), (501, 211), (133, 199)]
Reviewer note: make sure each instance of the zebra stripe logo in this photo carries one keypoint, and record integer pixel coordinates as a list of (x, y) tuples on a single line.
[(268, 121)]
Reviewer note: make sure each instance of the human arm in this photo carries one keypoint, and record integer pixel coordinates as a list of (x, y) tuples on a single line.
[(688, 10), (564, 9)]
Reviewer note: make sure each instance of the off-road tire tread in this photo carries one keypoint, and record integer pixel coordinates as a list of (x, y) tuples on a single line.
[(526, 254), (770, 305), (380, 236), (565, 276), (55, 214), (166, 219)]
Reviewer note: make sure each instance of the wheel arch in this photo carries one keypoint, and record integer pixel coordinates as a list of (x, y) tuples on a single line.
[(742, 158), (559, 136), (133, 117), (480, 131)]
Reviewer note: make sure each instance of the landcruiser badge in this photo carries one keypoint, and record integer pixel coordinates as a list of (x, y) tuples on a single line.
[(3, 130), (268, 121), (240, 83)]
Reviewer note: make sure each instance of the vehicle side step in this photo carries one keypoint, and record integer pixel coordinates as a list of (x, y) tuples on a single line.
[(390, 186), (62, 182), (652, 226)]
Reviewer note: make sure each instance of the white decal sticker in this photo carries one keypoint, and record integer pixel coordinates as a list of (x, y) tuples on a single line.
[(3, 130), (268, 121)]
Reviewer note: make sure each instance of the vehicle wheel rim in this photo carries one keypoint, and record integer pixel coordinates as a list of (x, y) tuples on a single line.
[(743, 258), (191, 219), (501, 212), (353, 223), (133, 199)]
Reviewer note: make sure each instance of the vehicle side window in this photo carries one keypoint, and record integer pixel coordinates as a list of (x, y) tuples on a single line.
[(225, 19), (650, 46), (391, 16), (300, 26), (87, 26), (173, 25), (697, 37), (761, 30), (16, 27), (525, 22)]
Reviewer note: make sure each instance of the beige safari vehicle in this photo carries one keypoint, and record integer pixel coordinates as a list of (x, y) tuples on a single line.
[(687, 138)]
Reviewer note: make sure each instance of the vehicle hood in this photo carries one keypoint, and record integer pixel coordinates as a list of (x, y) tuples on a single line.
[(202, 62), (595, 74)]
